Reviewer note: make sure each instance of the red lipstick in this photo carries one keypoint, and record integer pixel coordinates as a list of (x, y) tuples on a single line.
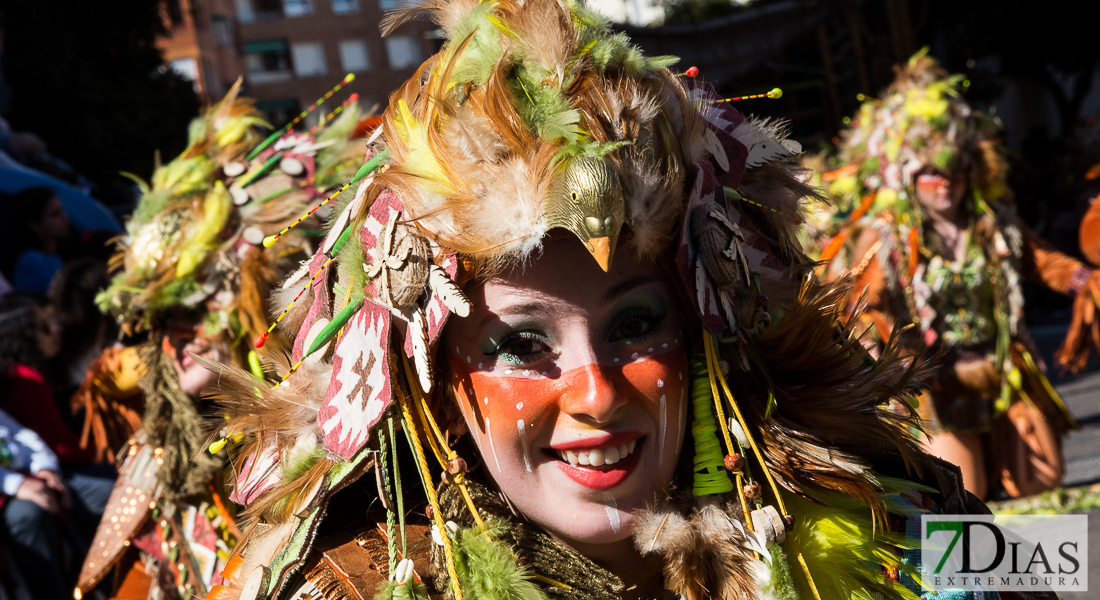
[(601, 478), (599, 441)]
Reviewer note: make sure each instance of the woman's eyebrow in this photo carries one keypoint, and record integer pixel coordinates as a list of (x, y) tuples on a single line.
[(534, 307), (622, 288)]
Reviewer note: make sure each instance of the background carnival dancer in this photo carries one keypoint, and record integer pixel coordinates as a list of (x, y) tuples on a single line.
[(194, 281), (569, 309), (927, 226)]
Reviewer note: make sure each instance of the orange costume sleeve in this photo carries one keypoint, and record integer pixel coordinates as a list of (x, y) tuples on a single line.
[(869, 284), (1043, 264), (1089, 235), (112, 401)]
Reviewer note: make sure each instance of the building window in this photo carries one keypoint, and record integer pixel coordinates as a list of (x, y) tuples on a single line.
[(221, 29), (264, 10), (267, 61), (297, 8), (278, 112), (345, 7), (403, 51), (309, 59), (244, 11), (353, 56)]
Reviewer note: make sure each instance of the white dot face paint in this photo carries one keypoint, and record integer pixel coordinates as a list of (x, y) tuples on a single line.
[(566, 366), (612, 510), (526, 446)]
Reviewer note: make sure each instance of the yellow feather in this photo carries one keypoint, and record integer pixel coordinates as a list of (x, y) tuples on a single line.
[(421, 160)]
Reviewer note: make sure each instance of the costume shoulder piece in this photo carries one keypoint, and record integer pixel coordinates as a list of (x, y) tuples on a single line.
[(537, 117)]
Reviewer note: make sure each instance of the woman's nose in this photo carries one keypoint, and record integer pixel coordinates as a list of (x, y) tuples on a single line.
[(591, 396)]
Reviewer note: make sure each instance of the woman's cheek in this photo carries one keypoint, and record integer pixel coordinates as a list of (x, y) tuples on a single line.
[(662, 382), (661, 376), (506, 414)]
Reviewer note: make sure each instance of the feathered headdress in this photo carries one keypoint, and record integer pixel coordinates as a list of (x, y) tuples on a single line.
[(535, 116), (193, 242), (921, 122), (195, 245)]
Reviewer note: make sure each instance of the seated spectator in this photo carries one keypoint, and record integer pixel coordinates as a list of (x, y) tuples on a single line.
[(85, 331), (30, 335), (28, 151), (33, 504), (38, 223)]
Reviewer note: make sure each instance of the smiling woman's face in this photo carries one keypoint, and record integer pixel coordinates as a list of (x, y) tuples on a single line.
[(573, 382)]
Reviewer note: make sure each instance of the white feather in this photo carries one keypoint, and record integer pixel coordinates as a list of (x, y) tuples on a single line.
[(421, 356), (448, 292), (297, 276), (716, 149), (765, 151)]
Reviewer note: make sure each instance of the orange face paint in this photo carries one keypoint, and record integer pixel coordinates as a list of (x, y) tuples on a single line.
[(573, 384)]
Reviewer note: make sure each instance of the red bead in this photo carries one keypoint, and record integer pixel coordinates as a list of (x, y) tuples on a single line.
[(261, 340), (692, 71), (429, 512), (734, 462)]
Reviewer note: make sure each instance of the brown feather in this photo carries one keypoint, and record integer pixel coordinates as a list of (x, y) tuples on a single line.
[(833, 401), (705, 556)]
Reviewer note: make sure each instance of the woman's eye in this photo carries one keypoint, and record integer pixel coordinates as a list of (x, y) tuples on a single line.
[(636, 326), (521, 348)]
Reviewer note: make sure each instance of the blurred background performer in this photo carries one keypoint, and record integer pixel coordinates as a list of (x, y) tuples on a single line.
[(193, 280), (926, 223)]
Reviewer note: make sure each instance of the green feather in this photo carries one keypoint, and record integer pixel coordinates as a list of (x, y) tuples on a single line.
[(389, 590), (296, 465), (581, 148), (204, 234), (545, 108), (844, 551), (486, 568), (484, 49), (781, 585)]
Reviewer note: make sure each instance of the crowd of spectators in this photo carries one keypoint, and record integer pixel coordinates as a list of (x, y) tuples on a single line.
[(52, 491)]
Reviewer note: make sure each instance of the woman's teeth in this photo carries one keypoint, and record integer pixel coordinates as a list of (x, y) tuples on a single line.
[(600, 457)]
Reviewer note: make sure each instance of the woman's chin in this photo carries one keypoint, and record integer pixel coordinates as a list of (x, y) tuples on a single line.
[(594, 526)]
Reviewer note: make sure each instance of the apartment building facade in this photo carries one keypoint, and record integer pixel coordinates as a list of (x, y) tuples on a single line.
[(290, 52)]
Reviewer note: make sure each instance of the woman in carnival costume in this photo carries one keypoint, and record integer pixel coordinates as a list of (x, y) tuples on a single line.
[(928, 229), (195, 281), (562, 344)]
